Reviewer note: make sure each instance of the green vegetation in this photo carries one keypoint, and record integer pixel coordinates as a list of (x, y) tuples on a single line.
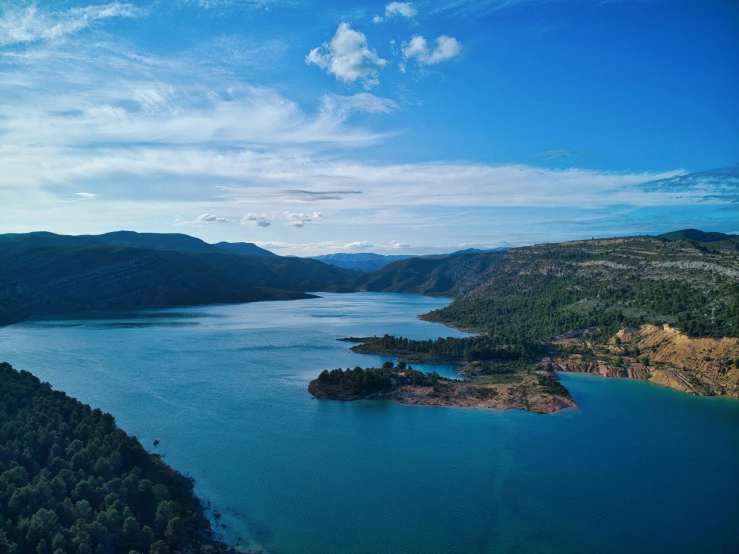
[(537, 293), (552, 386), (535, 392), (522, 300), (698, 236), (450, 348), (356, 383), (42, 274), (540, 307), (72, 482)]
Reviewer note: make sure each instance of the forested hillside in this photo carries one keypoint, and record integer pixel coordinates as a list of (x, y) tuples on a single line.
[(73, 482), (44, 274), (539, 292), (566, 303)]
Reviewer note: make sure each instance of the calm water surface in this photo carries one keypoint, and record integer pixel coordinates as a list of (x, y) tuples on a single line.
[(636, 468)]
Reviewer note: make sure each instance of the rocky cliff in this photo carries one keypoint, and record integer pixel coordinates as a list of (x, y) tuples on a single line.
[(661, 354)]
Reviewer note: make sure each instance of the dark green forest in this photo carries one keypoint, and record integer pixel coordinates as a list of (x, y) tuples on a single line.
[(452, 349), (537, 307), (526, 311), (359, 382), (71, 481)]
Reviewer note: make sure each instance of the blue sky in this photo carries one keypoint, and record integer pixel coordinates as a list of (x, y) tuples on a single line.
[(316, 127)]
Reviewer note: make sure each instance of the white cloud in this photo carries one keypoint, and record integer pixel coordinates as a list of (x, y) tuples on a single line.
[(300, 219), (397, 9), (154, 136), (359, 245), (348, 57), (256, 220), (105, 95), (418, 49), (396, 244), (404, 9), (85, 195), (205, 219), (29, 24)]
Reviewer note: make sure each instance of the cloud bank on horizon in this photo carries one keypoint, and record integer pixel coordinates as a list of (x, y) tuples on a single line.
[(312, 128)]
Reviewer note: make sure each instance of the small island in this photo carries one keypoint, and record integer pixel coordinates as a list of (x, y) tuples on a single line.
[(538, 392)]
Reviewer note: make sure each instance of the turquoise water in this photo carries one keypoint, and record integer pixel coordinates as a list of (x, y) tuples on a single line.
[(636, 468)]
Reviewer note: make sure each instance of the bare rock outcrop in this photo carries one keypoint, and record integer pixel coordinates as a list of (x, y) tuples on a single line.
[(667, 357)]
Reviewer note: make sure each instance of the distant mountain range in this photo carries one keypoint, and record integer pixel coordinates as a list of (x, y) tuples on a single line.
[(361, 261), (45, 274), (369, 262)]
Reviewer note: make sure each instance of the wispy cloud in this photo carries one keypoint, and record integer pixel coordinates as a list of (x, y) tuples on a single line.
[(348, 57), (559, 153), (314, 195), (102, 94), (30, 24), (204, 219), (335, 105), (248, 4)]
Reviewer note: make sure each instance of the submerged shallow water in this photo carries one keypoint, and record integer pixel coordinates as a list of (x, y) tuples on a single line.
[(636, 468)]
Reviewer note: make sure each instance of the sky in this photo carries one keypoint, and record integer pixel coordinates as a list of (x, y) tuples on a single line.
[(419, 127)]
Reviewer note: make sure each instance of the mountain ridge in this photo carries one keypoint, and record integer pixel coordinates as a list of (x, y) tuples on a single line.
[(133, 239), (44, 274)]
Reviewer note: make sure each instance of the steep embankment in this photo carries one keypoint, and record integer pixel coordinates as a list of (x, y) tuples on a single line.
[(662, 355)]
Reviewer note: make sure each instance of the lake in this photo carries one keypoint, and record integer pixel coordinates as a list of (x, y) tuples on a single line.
[(637, 468)]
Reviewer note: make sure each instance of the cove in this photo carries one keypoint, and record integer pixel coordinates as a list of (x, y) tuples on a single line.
[(635, 468)]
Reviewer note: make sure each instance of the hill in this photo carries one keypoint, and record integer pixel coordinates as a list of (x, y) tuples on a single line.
[(451, 275), (132, 239), (72, 481), (550, 289), (527, 303), (698, 236), (42, 274), (369, 262), (245, 248)]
